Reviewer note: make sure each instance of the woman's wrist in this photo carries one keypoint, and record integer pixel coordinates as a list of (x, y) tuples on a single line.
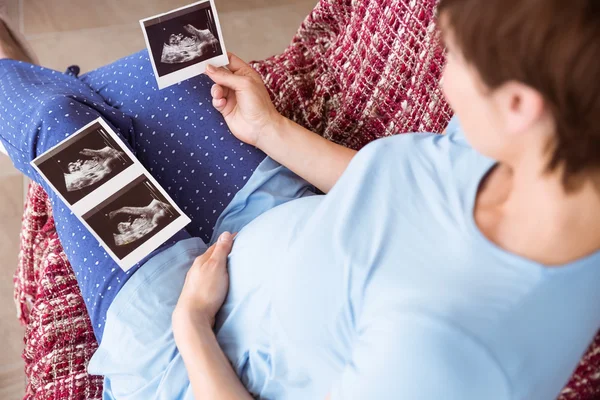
[(187, 323), (209, 370), (271, 133)]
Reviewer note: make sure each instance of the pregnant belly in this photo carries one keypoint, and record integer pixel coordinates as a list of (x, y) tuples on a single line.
[(260, 255), (281, 323), (244, 323)]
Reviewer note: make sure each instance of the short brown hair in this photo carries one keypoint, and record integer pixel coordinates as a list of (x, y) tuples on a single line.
[(552, 46)]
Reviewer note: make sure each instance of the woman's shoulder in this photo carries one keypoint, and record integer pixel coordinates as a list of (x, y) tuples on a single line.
[(447, 156), (453, 139)]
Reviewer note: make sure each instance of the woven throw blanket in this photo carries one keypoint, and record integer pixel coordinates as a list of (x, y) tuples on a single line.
[(360, 70), (355, 71), (59, 340)]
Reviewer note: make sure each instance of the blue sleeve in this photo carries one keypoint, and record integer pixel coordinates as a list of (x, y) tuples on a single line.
[(271, 185), (138, 356), (419, 357)]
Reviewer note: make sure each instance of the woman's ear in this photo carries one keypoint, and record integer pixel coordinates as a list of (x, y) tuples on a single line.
[(521, 107)]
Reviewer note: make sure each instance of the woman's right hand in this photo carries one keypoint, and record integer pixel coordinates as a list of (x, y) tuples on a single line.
[(240, 95)]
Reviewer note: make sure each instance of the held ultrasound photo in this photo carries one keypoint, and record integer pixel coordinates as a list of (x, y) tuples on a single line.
[(183, 38)]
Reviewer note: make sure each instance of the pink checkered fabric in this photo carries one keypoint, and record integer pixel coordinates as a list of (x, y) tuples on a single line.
[(360, 70), (59, 340), (355, 71)]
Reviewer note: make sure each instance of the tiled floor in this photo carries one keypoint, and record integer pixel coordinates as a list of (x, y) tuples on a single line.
[(90, 34)]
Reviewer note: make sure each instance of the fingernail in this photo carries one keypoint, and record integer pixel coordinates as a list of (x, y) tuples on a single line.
[(210, 68), (225, 236)]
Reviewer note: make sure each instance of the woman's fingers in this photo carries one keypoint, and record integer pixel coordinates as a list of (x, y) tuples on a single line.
[(224, 99), (218, 91), (209, 252), (204, 257), (222, 249), (240, 67), (219, 95), (236, 63), (223, 96), (226, 78), (219, 104)]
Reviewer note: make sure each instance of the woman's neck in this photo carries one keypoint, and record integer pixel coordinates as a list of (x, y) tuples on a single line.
[(528, 212)]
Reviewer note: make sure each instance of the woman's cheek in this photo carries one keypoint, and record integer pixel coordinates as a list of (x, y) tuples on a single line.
[(449, 84)]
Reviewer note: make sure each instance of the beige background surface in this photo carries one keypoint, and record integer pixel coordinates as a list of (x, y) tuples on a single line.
[(92, 33)]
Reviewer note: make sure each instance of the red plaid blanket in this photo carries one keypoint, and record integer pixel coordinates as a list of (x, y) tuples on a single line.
[(354, 72)]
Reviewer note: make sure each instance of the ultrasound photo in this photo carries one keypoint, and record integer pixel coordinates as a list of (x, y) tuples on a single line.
[(184, 38), (131, 217), (83, 163)]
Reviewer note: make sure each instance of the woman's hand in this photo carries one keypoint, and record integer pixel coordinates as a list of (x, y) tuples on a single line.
[(206, 283), (205, 287), (239, 94)]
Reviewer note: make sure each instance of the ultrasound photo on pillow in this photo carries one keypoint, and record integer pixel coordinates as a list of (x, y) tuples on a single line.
[(83, 163)]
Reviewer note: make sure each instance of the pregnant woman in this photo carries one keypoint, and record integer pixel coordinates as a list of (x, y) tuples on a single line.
[(459, 266)]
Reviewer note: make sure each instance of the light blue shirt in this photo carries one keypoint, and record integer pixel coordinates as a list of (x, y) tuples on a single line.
[(382, 289)]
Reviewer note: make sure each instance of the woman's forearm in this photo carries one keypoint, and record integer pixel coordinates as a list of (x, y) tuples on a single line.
[(209, 370), (241, 97), (312, 157)]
